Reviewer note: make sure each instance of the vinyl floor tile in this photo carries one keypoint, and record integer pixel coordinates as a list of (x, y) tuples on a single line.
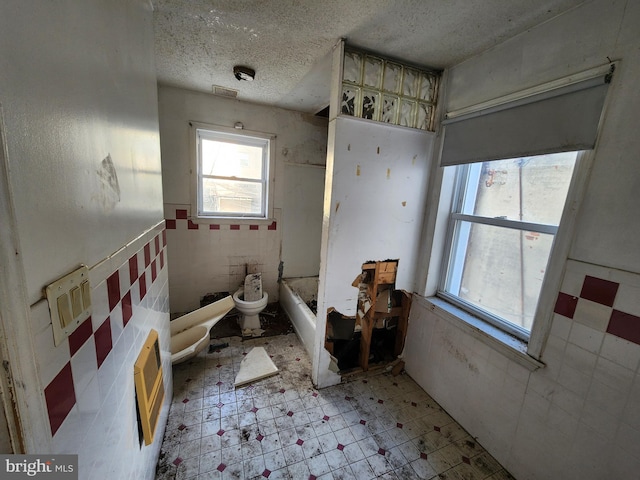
[(374, 426)]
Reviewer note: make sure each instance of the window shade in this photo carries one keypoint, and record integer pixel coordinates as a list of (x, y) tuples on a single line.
[(558, 120)]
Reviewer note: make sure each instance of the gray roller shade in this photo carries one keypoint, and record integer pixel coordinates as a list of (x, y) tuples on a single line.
[(563, 119)]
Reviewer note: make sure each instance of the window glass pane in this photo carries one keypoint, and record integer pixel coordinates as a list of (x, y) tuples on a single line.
[(389, 109), (499, 270), (529, 189), (392, 76), (352, 67), (372, 72), (349, 99), (407, 113), (370, 105), (427, 87), (224, 159), (424, 116), (410, 83), (230, 196)]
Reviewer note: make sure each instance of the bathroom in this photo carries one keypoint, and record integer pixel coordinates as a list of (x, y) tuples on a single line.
[(93, 190)]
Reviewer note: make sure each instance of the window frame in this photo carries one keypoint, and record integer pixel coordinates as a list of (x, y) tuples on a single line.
[(455, 217), (526, 353), (200, 131)]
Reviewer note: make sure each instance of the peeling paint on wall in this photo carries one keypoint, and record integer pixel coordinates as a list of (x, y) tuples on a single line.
[(108, 195)]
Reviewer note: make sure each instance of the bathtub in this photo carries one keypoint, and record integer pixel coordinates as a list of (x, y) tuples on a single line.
[(294, 295)]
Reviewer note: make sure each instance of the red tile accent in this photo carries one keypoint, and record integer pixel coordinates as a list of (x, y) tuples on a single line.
[(380, 401), (325, 418), (363, 422), (314, 394), (182, 426), (171, 224), (624, 325), (312, 477), (254, 227), (186, 400), (220, 405), (161, 259), (219, 383), (414, 404), (154, 271), (214, 227), (423, 455), (272, 226), (382, 451), (599, 290), (254, 409), (180, 213), (143, 285), (234, 227), (260, 437), (127, 308), (192, 226), (220, 432), (289, 413), (113, 289), (60, 397), (347, 398), (102, 337), (340, 447), (566, 305), (299, 442), (157, 242), (79, 336), (177, 461), (466, 460), (399, 425), (221, 467), (133, 269), (437, 429), (147, 255), (164, 238), (266, 473), (282, 390)]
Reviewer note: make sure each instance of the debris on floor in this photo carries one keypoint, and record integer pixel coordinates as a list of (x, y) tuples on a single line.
[(255, 366), (273, 320)]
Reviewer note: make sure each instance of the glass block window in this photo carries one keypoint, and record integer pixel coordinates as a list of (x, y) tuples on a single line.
[(378, 89)]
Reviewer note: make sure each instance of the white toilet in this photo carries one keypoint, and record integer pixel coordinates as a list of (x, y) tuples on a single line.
[(250, 309)]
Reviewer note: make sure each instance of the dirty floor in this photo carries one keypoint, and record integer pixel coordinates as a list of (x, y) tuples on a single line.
[(374, 426)]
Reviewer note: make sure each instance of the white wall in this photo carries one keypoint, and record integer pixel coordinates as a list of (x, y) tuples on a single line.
[(576, 417), (206, 260), (302, 219), (77, 85), (375, 201)]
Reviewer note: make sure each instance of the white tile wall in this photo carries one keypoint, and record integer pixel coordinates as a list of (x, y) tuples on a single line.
[(569, 419), (102, 426)]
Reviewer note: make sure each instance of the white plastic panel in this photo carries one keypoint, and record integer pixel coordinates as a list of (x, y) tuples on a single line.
[(69, 303)]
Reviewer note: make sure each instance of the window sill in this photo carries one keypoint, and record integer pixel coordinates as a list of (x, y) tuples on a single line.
[(508, 345), (232, 220)]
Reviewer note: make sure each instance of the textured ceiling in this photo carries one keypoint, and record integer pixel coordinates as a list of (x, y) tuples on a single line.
[(288, 42)]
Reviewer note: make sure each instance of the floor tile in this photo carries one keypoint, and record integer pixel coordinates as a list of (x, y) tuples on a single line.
[(373, 426)]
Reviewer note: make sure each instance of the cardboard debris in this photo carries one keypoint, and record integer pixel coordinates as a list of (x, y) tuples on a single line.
[(253, 287), (256, 365)]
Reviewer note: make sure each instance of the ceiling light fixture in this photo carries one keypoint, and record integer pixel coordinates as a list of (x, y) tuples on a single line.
[(244, 73)]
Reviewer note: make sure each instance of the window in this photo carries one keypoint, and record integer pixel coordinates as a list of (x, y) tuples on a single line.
[(504, 218), (232, 173)]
